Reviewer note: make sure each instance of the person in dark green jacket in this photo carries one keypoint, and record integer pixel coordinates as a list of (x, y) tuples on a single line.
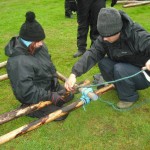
[(121, 49), (31, 71)]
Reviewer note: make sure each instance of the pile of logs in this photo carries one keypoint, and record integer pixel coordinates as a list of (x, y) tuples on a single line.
[(132, 3)]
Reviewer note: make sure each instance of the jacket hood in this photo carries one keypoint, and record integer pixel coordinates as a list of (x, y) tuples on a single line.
[(128, 24), (15, 47)]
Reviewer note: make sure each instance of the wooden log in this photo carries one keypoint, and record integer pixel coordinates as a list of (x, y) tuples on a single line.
[(59, 75), (22, 111), (128, 2), (3, 64), (136, 4), (105, 89), (3, 77), (35, 124)]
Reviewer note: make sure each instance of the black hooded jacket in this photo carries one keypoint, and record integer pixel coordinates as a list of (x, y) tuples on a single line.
[(133, 47), (30, 75)]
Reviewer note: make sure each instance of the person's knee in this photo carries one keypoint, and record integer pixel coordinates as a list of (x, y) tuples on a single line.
[(119, 70), (106, 65)]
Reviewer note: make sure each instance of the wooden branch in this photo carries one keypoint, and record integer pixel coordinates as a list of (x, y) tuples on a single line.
[(35, 124), (61, 77), (3, 64), (22, 111), (3, 77), (136, 4), (128, 1), (105, 89)]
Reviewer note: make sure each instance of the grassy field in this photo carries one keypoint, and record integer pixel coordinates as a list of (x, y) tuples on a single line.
[(100, 127)]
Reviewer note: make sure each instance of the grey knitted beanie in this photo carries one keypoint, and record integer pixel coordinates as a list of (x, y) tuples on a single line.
[(109, 22)]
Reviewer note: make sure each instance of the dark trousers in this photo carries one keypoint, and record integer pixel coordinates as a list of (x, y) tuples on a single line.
[(87, 13), (68, 11), (70, 5), (127, 89)]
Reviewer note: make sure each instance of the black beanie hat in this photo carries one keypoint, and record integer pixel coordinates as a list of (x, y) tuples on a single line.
[(109, 22), (31, 30)]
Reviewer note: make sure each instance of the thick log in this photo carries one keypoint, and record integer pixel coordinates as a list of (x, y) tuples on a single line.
[(35, 124), (3, 77), (22, 111), (136, 4), (3, 64)]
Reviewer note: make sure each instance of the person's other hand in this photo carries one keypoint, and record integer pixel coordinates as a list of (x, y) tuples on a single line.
[(56, 97), (147, 65), (70, 82)]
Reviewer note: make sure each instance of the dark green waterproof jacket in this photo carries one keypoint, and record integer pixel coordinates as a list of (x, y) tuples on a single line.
[(133, 47), (31, 76)]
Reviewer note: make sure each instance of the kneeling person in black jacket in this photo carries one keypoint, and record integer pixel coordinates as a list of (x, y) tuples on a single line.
[(31, 72), (121, 49)]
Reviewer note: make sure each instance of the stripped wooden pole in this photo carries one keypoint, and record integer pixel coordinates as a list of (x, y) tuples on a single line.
[(3, 77), (22, 111), (3, 64), (128, 1), (136, 4), (59, 75)]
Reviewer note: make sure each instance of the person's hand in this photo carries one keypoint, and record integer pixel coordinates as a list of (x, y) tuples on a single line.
[(56, 98), (147, 65), (70, 82)]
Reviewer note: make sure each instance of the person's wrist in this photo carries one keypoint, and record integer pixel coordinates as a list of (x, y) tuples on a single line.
[(73, 75)]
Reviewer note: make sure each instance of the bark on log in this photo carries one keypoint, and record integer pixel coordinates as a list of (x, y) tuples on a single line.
[(3, 64), (136, 4), (22, 111), (35, 124)]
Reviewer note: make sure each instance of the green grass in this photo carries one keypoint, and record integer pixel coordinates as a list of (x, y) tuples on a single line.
[(99, 127)]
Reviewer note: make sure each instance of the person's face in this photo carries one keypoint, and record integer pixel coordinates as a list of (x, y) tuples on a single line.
[(38, 44), (112, 39)]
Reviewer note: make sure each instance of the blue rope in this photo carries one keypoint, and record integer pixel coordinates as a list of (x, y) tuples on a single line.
[(114, 81), (87, 89), (84, 97), (127, 109)]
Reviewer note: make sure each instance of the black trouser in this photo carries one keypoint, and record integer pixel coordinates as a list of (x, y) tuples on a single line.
[(70, 5), (68, 11), (127, 89), (87, 13)]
